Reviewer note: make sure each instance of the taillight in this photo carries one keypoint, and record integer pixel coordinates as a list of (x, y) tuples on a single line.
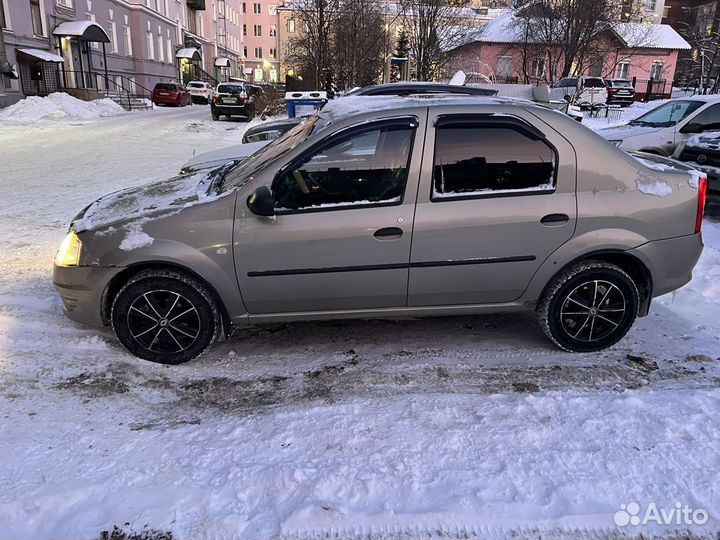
[(702, 197), (216, 98)]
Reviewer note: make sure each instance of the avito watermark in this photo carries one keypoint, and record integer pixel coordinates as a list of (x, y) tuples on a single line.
[(680, 514)]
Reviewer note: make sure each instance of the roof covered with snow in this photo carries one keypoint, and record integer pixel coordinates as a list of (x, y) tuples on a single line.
[(85, 30), (39, 54), (188, 52), (507, 28)]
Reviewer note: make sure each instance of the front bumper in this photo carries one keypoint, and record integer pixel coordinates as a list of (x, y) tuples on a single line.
[(82, 290), (670, 261)]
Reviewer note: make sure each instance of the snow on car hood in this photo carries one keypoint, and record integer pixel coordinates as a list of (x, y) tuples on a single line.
[(140, 202), (624, 132), (218, 157)]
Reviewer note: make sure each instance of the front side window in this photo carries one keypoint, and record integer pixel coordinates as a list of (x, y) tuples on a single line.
[(476, 160), (363, 167), (707, 120)]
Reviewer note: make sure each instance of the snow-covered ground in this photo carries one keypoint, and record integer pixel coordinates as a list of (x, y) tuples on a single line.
[(445, 427)]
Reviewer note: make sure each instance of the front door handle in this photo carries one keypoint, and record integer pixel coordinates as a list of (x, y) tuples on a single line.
[(388, 233), (555, 219)]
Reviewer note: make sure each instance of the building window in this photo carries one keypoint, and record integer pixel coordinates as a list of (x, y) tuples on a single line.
[(112, 34), (273, 54), (169, 50), (160, 48), (244, 8), (651, 5), (258, 52), (504, 66), (273, 31), (257, 30), (150, 46), (656, 72), (623, 70), (36, 16), (65, 3), (3, 23), (273, 76), (538, 68), (272, 10), (127, 41), (291, 26), (245, 51), (257, 9), (244, 29)]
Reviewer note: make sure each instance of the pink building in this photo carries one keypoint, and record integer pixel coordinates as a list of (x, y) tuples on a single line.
[(499, 51), (260, 29)]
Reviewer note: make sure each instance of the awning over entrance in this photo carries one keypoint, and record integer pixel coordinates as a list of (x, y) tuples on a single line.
[(39, 54), (222, 62), (190, 53), (83, 30)]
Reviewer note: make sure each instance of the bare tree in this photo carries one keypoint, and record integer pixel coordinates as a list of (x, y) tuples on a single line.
[(430, 25), (312, 48), (565, 33), (359, 43)]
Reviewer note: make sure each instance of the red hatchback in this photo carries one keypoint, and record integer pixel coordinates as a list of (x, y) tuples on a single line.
[(171, 94)]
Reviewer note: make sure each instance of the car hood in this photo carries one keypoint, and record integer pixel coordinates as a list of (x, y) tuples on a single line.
[(621, 133), (146, 202), (235, 153)]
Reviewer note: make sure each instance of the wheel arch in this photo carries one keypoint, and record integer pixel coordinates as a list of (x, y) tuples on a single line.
[(630, 264), (117, 282)]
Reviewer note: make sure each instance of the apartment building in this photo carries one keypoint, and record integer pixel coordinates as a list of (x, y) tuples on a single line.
[(261, 47), (89, 46)]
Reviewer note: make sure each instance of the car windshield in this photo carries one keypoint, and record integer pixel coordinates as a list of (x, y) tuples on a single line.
[(668, 114), (229, 89), (267, 154)]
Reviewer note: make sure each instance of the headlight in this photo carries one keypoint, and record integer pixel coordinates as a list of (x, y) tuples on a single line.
[(616, 143), (69, 252)]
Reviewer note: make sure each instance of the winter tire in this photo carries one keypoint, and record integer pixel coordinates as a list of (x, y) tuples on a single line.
[(165, 316), (589, 307)]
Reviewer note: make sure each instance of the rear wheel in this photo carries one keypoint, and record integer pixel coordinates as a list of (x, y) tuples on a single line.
[(589, 307), (165, 316)]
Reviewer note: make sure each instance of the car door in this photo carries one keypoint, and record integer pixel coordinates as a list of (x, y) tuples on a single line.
[(340, 239), (496, 198), (705, 119)]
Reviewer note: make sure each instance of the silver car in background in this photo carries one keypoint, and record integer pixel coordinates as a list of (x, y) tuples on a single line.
[(389, 207)]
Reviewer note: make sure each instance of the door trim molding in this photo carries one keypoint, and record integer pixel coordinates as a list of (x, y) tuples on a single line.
[(396, 266)]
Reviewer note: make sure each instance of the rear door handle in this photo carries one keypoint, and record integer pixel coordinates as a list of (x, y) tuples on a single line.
[(388, 233), (555, 219)]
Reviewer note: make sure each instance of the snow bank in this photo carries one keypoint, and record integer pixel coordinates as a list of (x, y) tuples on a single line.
[(58, 106)]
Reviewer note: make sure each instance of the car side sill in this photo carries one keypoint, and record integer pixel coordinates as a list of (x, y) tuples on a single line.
[(417, 311)]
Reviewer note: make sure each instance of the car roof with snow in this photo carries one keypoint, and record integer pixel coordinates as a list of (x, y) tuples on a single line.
[(353, 105)]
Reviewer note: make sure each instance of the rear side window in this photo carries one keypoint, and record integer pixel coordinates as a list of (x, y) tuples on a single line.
[(477, 160)]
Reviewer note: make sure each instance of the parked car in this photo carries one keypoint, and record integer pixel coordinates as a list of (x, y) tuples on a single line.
[(662, 129), (268, 131), (585, 92), (620, 92), (201, 92), (702, 152), (171, 94), (216, 158), (418, 88), (233, 99), (380, 207)]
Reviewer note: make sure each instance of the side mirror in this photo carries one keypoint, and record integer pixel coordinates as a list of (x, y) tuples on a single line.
[(261, 203)]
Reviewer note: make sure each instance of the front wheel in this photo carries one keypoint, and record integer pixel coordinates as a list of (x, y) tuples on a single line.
[(589, 307), (165, 316)]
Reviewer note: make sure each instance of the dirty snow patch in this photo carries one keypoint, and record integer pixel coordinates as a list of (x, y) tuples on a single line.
[(135, 237), (58, 107), (657, 189), (695, 177)]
